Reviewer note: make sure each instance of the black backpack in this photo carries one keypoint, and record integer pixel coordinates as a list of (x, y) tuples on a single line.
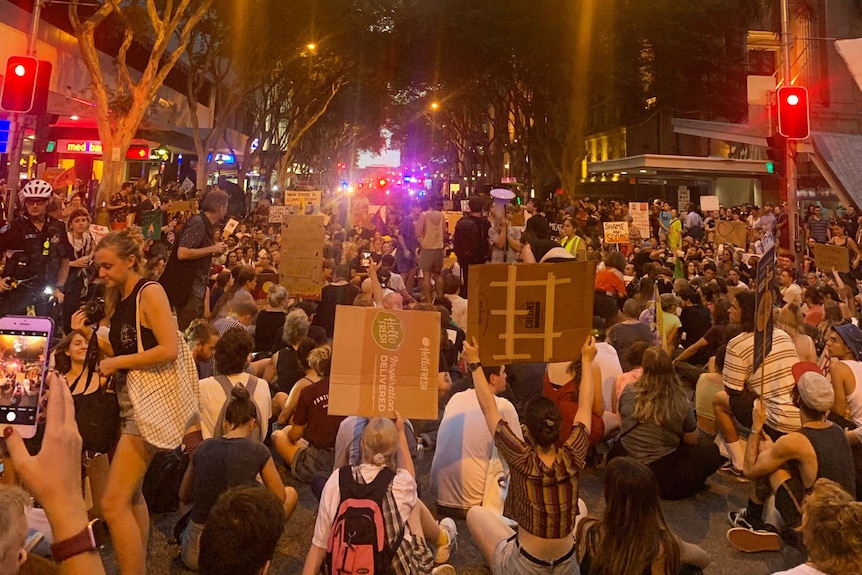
[(470, 246), (357, 541)]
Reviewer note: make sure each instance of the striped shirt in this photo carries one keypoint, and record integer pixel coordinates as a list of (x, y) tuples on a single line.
[(543, 500), (778, 381)]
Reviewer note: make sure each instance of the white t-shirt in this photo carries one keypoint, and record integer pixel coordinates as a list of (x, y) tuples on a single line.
[(792, 294), (465, 450), (396, 282), (459, 310), (403, 488), (212, 397)]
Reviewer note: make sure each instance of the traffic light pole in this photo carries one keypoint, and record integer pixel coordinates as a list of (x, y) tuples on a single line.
[(790, 145), (16, 134)]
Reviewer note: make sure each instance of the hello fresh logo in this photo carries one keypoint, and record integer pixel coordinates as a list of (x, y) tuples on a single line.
[(387, 330)]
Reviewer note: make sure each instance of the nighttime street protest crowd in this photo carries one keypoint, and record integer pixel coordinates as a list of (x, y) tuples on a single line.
[(664, 394)]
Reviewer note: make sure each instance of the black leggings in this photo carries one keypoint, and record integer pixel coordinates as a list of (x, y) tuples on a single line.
[(681, 473)]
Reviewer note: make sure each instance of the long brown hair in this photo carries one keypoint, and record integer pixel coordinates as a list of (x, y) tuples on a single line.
[(660, 396), (631, 495)]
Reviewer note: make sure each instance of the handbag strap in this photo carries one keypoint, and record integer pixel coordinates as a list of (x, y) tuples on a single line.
[(138, 316)]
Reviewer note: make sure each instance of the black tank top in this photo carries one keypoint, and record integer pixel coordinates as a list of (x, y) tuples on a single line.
[(834, 458), (123, 335)]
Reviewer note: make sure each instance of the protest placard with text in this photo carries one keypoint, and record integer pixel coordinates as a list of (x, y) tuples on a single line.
[(828, 256), (301, 266), (616, 232), (383, 361), (729, 232)]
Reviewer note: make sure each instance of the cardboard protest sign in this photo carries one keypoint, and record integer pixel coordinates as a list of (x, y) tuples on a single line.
[(683, 196), (526, 313), (277, 214), (727, 232), (827, 256), (517, 220), (616, 232), (301, 264), (230, 227), (709, 204), (763, 325), (151, 224), (302, 203), (184, 206), (384, 360), (640, 217)]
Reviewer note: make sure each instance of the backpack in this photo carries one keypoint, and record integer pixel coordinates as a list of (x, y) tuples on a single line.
[(357, 541), (227, 386), (469, 245)]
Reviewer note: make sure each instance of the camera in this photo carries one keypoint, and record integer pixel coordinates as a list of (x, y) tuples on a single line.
[(94, 309)]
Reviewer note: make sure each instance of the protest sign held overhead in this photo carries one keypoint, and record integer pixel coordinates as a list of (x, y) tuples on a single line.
[(525, 313), (301, 266), (616, 232), (383, 361), (828, 256)]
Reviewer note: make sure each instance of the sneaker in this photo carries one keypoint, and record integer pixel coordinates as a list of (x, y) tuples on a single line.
[(754, 540), (737, 474), (443, 570), (447, 524)]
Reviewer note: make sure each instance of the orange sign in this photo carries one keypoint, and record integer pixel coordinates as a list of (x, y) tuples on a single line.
[(93, 147)]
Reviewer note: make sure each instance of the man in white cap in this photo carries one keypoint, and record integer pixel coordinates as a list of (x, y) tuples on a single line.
[(789, 467)]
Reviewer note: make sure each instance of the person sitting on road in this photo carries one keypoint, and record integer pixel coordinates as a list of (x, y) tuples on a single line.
[(223, 462), (467, 469), (543, 489), (743, 384), (244, 280), (659, 429), (231, 361), (202, 337), (308, 445), (831, 532), (789, 466), (317, 362), (285, 364), (632, 536), (410, 551)]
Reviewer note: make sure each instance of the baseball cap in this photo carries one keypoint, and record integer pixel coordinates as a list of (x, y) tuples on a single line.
[(815, 391), (852, 337)]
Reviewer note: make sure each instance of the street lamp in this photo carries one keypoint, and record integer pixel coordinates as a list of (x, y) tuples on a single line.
[(311, 46), (435, 106)]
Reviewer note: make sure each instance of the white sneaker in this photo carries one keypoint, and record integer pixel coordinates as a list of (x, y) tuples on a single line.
[(447, 524)]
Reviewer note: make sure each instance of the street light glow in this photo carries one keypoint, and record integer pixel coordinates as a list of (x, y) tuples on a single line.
[(435, 105), (311, 46)]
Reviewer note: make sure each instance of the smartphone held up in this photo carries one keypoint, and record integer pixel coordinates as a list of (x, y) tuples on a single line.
[(24, 347)]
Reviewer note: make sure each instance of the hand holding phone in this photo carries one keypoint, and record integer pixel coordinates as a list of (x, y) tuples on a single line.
[(364, 258), (24, 346)]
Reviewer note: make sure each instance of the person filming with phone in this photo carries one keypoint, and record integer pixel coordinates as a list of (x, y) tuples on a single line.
[(37, 251)]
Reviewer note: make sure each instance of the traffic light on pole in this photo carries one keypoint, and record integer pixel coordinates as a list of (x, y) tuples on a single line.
[(19, 84), (793, 118)]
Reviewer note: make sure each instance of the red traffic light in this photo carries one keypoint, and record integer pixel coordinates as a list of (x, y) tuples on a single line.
[(793, 112), (19, 86)]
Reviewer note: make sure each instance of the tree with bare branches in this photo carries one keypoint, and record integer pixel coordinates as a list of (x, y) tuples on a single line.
[(164, 27)]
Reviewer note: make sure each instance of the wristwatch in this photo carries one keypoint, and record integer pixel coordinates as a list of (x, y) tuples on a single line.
[(473, 366), (89, 539)]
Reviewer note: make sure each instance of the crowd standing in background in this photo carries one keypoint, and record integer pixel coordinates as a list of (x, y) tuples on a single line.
[(662, 408)]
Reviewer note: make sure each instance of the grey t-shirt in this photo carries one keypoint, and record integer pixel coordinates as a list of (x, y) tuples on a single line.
[(623, 335), (648, 442)]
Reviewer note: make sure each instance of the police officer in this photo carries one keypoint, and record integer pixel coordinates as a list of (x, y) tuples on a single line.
[(37, 253)]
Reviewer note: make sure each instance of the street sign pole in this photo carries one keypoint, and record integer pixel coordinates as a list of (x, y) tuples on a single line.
[(790, 145), (16, 134)]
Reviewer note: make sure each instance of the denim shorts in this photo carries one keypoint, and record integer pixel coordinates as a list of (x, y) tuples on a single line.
[(508, 559)]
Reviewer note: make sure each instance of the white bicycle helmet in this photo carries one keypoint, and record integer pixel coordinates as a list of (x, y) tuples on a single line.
[(37, 189)]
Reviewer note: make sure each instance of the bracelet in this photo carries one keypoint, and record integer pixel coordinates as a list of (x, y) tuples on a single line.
[(756, 431)]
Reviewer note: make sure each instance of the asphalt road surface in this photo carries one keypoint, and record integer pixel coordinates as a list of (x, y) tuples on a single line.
[(701, 520)]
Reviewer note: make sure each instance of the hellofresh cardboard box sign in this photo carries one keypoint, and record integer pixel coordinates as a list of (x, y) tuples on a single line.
[(383, 361)]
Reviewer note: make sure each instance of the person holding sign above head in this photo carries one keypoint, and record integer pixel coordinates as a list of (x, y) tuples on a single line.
[(543, 489)]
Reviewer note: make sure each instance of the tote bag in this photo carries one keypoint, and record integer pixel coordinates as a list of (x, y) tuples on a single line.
[(165, 397)]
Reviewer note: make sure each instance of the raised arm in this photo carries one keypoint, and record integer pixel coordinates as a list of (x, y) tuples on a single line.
[(586, 391), (483, 391)]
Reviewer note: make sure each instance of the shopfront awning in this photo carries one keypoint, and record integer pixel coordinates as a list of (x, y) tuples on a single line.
[(851, 52), (667, 164), (838, 157)]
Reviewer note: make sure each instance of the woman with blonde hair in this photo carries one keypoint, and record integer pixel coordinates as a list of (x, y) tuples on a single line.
[(632, 536), (659, 429), (791, 320), (386, 459), (129, 297), (831, 531)]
